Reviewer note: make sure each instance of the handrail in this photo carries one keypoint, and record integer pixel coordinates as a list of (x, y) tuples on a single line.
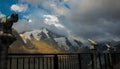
[(64, 60)]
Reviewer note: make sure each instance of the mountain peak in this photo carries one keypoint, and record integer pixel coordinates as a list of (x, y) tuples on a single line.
[(61, 42)]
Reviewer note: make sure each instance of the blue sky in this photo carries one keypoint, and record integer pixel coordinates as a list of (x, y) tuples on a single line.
[(5, 6), (83, 19)]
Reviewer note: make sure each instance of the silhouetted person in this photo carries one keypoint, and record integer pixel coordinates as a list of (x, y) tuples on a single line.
[(6, 37)]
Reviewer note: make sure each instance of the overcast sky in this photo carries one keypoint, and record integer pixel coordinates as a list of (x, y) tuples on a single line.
[(95, 19)]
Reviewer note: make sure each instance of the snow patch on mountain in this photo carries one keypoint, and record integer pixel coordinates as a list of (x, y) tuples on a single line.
[(63, 42), (37, 34)]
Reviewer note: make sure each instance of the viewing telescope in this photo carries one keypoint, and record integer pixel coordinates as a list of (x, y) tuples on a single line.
[(93, 43), (6, 37), (7, 22)]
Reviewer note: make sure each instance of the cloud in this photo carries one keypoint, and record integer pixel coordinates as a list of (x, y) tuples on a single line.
[(54, 6), (19, 7), (52, 20), (31, 1), (96, 19), (22, 26), (37, 23)]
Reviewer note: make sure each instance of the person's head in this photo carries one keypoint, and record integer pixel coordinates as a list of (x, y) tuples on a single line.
[(14, 17)]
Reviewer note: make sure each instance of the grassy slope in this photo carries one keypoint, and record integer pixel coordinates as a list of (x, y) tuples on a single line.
[(40, 47)]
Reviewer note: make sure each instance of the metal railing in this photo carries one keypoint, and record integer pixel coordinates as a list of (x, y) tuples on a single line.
[(63, 61)]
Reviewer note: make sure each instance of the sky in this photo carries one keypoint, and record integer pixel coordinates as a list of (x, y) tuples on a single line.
[(82, 19)]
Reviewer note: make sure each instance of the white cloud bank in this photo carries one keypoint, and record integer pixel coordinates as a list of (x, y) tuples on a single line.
[(19, 7), (52, 20)]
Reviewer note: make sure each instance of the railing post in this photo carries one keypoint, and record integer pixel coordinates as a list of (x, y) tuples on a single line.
[(10, 63), (92, 66), (79, 59), (105, 60), (100, 64), (56, 61), (17, 62)]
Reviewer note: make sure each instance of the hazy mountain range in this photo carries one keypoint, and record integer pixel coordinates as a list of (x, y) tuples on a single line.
[(57, 41), (54, 40), (46, 41)]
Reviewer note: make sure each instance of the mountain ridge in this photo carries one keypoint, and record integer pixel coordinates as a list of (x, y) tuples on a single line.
[(57, 41)]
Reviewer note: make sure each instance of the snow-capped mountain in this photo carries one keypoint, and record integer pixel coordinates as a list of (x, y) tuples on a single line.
[(102, 45), (68, 43)]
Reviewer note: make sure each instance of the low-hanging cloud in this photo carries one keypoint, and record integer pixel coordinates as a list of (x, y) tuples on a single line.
[(38, 23), (97, 19), (52, 20)]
